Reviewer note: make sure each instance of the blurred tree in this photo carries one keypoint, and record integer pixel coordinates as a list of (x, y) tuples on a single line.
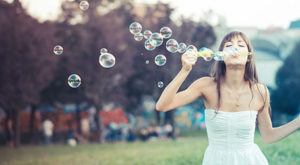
[(82, 34), (285, 99), (27, 62), (146, 76), (82, 40)]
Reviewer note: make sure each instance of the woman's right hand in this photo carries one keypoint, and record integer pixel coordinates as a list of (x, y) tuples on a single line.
[(188, 59)]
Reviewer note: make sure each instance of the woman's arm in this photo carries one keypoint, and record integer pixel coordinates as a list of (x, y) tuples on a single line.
[(170, 97), (272, 134)]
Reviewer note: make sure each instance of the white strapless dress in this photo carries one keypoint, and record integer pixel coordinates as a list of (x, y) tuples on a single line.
[(231, 139)]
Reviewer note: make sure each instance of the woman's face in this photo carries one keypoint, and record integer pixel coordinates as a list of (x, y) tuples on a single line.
[(240, 56)]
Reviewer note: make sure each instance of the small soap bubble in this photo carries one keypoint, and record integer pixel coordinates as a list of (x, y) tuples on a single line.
[(107, 60), (172, 45), (84, 5), (160, 60), (74, 81), (135, 28), (166, 32), (160, 84), (58, 50)]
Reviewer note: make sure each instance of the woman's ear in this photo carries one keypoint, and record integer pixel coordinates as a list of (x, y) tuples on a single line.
[(249, 56)]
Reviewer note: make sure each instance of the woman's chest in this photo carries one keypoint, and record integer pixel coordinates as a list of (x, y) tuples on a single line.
[(234, 101)]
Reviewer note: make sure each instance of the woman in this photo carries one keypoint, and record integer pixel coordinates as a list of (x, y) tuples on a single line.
[(234, 101)]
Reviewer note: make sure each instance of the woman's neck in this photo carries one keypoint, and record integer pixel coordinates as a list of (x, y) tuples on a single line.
[(234, 78)]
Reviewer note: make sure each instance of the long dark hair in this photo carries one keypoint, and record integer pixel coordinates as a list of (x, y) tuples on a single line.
[(218, 69)]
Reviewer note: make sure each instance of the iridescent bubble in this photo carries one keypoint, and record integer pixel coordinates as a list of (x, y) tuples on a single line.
[(148, 45), (160, 60), (209, 58), (147, 34), (156, 39), (74, 81), (103, 50), (228, 51), (218, 56), (191, 48), (181, 48), (138, 37), (58, 50), (147, 61), (107, 60), (135, 28), (166, 32), (172, 45), (160, 84), (84, 5), (191, 56), (206, 54)]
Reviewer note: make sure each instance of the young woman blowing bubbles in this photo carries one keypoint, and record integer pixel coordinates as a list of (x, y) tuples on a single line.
[(234, 101)]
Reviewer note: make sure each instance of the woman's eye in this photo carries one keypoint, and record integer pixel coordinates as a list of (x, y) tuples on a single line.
[(241, 45), (228, 46)]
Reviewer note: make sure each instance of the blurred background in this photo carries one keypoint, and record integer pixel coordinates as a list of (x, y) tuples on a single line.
[(117, 105)]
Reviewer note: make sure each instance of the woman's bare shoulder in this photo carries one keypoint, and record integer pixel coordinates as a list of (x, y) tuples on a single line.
[(205, 84), (262, 89), (205, 81)]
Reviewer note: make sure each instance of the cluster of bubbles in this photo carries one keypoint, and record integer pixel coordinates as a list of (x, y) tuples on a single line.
[(155, 39), (74, 80), (207, 54), (106, 59)]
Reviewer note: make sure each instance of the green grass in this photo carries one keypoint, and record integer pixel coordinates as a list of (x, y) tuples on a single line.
[(184, 151)]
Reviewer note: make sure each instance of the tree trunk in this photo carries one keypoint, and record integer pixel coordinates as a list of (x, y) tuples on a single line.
[(32, 130), (15, 128)]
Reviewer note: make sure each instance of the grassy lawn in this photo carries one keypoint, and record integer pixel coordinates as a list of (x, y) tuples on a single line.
[(185, 150)]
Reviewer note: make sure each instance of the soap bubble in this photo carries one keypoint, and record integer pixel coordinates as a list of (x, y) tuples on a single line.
[(191, 56), (160, 60), (160, 84), (58, 50), (172, 45), (74, 81), (206, 54), (191, 48), (228, 51), (156, 39), (103, 50), (107, 60), (181, 48), (148, 45), (147, 34), (84, 5), (166, 32), (135, 28), (218, 56), (138, 37)]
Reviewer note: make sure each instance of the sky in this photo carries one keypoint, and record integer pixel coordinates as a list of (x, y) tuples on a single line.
[(242, 13)]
